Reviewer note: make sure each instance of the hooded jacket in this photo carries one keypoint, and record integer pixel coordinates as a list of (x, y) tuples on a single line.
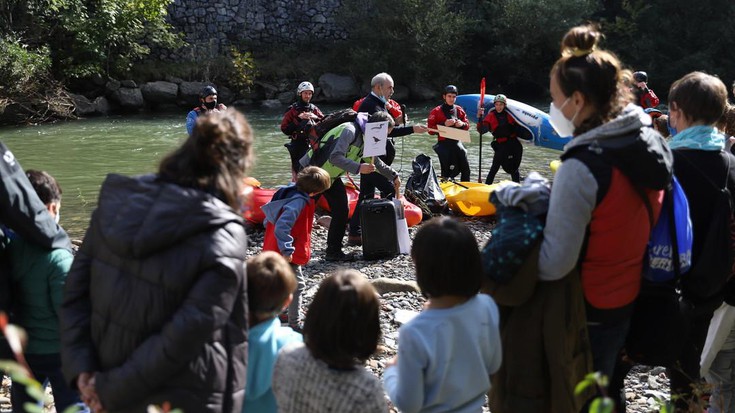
[(288, 221), (597, 217), (156, 299)]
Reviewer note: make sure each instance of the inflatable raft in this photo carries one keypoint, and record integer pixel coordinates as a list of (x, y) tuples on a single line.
[(470, 198), (534, 121), (261, 196)]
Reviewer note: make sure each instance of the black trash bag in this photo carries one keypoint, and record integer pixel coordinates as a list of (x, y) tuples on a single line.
[(422, 188)]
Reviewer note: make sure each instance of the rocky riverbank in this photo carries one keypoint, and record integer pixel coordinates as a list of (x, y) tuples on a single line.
[(645, 386)]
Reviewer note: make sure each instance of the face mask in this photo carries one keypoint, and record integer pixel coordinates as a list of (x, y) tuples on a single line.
[(563, 126), (58, 217), (210, 105)]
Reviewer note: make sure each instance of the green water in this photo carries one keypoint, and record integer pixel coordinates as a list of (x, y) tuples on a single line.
[(80, 153)]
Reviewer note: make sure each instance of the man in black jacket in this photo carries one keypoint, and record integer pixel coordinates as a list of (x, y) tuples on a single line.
[(382, 89)]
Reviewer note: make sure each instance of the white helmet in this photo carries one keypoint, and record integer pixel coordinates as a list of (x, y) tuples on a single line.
[(304, 86)]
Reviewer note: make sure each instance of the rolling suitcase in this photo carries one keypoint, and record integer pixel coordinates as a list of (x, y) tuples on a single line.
[(378, 222)]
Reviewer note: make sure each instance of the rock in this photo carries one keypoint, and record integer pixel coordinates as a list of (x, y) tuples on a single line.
[(128, 98), (324, 221), (97, 80), (272, 103), (189, 92), (160, 92), (242, 103), (128, 83), (404, 316), (82, 105), (225, 95), (338, 88), (101, 105), (401, 93), (390, 285), (285, 98), (174, 79), (270, 91), (424, 92), (111, 86)]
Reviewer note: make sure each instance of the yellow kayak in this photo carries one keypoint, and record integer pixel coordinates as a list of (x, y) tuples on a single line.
[(470, 198)]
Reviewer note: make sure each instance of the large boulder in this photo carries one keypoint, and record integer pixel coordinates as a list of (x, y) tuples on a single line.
[(400, 94), (424, 92), (101, 105), (160, 92), (128, 98), (286, 97), (189, 92), (225, 95), (338, 88), (82, 105)]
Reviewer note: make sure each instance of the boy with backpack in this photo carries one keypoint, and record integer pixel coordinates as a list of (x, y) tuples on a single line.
[(288, 221), (271, 284), (707, 175)]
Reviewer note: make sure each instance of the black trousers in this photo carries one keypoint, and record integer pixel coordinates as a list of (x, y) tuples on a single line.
[(337, 199), (507, 155), (453, 159)]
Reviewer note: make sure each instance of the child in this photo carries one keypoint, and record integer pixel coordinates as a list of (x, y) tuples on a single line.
[(270, 288), (289, 217), (38, 278), (448, 352), (341, 331)]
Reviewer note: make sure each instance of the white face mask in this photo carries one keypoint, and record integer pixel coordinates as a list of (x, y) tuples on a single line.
[(564, 127), (58, 217)]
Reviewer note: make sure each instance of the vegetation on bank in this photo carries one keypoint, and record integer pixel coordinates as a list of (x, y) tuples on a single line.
[(53, 45)]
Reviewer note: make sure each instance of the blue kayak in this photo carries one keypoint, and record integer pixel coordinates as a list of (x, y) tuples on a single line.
[(535, 123)]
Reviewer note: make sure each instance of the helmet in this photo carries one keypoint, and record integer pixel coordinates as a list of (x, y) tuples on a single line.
[(304, 86), (640, 76), (451, 89), (499, 98), (207, 91)]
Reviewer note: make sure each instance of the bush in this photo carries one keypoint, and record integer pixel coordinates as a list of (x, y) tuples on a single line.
[(21, 67)]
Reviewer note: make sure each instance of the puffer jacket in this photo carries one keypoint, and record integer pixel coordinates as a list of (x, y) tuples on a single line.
[(156, 299)]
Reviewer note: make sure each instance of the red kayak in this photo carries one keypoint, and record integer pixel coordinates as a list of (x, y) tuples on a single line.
[(261, 196)]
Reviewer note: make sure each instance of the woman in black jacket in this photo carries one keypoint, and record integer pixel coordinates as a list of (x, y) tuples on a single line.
[(155, 306)]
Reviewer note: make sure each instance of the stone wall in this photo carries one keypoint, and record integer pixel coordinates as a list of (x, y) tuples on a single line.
[(215, 25)]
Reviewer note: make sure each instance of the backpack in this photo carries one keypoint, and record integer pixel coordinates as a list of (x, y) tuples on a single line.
[(422, 188), (713, 268), (669, 250), (329, 122)]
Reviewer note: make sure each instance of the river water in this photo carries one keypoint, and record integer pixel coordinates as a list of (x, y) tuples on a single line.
[(81, 153)]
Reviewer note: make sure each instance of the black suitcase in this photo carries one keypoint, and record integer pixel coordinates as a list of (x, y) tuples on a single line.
[(378, 222)]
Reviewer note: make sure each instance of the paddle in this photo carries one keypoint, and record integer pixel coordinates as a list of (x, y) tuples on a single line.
[(480, 105)]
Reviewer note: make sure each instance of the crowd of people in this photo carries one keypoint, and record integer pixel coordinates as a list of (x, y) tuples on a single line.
[(161, 304)]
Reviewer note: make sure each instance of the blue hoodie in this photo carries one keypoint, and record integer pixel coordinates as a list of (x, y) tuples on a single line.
[(283, 210)]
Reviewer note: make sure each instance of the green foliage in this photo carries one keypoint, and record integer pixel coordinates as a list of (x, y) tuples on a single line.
[(518, 40), (413, 39), (20, 66), (244, 71), (669, 38)]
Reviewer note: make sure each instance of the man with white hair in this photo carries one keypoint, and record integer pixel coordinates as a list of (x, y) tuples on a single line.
[(382, 88)]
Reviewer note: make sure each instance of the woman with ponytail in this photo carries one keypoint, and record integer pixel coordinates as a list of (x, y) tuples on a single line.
[(608, 192), (155, 308)]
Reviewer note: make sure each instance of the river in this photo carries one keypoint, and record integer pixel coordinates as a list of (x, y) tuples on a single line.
[(80, 153)]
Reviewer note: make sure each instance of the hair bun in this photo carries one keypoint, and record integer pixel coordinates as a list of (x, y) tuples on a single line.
[(580, 41)]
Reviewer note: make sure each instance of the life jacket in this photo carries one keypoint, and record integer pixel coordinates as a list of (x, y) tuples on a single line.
[(321, 156), (393, 107), (618, 235), (300, 231), (502, 125)]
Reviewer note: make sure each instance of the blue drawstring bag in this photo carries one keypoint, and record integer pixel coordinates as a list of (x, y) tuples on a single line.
[(671, 234)]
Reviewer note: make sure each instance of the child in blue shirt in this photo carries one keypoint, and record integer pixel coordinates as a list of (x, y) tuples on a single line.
[(448, 352), (271, 283)]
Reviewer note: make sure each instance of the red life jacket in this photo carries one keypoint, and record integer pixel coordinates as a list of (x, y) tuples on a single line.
[(618, 234), (502, 125), (301, 233)]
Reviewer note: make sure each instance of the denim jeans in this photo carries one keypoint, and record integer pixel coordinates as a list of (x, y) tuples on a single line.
[(293, 308), (45, 368)]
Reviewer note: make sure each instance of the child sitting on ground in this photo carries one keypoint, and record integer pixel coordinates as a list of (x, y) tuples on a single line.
[(270, 287), (341, 332), (447, 353), (288, 220)]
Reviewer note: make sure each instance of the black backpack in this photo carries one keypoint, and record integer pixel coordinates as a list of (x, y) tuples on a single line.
[(713, 268), (328, 123)]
